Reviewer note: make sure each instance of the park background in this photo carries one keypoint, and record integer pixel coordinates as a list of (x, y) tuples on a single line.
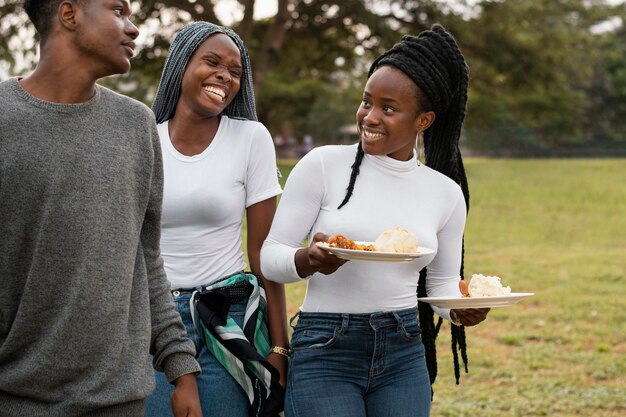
[(544, 139)]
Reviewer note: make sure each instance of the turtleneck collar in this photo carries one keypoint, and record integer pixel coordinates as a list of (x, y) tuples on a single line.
[(393, 165)]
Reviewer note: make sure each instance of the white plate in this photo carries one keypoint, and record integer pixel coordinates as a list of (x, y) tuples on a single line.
[(363, 255), (477, 302)]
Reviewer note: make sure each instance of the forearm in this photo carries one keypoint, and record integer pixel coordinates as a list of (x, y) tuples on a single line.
[(259, 220), (276, 303), (277, 313), (303, 264)]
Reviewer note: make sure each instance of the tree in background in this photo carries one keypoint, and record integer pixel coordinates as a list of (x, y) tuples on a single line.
[(542, 78), (605, 119), (532, 65)]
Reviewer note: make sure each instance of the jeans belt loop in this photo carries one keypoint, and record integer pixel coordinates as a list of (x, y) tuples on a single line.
[(345, 321), (398, 320)]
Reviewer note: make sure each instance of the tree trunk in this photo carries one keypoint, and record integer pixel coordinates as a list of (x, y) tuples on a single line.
[(247, 23), (272, 43)]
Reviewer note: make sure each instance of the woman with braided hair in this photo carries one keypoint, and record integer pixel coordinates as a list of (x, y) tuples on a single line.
[(357, 346), (219, 165)]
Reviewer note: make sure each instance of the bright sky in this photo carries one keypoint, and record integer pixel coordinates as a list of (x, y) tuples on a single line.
[(228, 10)]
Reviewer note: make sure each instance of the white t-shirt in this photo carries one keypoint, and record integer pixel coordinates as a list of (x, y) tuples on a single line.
[(388, 193), (205, 197)]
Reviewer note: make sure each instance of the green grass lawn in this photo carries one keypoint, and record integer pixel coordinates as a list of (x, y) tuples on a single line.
[(556, 228)]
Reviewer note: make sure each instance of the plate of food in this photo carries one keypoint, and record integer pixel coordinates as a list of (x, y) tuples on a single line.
[(482, 292), (394, 245)]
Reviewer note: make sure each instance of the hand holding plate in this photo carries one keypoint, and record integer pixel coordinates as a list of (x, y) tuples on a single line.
[(471, 316), (315, 259), (322, 260)]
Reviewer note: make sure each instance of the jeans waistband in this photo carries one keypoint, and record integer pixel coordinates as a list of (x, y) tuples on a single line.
[(182, 291), (376, 319)]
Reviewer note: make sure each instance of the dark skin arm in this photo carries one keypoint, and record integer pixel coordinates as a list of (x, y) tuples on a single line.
[(259, 218), (185, 401)]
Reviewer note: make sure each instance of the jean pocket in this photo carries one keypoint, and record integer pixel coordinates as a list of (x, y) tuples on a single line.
[(313, 336), (410, 329)]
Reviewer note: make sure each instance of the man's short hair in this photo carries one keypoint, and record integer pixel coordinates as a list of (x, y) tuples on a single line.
[(42, 13)]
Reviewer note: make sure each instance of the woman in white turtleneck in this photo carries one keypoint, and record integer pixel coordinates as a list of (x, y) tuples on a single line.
[(357, 348)]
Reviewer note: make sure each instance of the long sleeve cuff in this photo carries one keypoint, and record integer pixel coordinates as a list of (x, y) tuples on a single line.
[(179, 364), (442, 312), (278, 263)]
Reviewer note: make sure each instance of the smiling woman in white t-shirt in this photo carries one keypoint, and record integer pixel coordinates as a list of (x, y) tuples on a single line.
[(219, 166)]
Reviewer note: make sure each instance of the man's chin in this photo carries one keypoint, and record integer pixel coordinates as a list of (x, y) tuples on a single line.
[(119, 69)]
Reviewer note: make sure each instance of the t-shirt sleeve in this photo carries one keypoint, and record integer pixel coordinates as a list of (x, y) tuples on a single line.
[(444, 271), (298, 209), (262, 173)]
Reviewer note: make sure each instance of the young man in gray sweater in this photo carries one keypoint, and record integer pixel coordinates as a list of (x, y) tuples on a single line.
[(85, 305)]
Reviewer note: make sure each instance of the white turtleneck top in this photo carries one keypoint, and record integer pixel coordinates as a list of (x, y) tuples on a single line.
[(388, 193)]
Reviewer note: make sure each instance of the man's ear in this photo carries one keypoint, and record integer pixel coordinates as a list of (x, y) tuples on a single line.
[(67, 14)]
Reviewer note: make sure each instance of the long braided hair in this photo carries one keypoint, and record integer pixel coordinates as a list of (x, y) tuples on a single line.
[(184, 45), (435, 64)]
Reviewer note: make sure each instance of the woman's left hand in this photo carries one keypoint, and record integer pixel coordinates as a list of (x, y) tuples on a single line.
[(279, 362), (470, 316)]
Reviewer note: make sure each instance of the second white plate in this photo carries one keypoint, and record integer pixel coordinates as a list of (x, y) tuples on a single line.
[(476, 302), (363, 255)]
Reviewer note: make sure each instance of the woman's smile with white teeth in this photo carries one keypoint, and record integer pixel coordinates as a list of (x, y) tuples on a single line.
[(372, 135), (216, 91)]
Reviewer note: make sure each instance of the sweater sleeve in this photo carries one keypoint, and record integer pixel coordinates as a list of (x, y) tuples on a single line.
[(444, 271), (173, 353), (298, 209)]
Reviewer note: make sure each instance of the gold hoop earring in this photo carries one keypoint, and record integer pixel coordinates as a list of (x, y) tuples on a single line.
[(419, 148)]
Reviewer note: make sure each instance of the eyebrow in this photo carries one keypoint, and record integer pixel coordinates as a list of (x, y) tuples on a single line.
[(126, 5), (383, 99), (215, 54)]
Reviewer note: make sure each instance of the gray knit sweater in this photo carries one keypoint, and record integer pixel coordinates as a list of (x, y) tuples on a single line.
[(84, 299)]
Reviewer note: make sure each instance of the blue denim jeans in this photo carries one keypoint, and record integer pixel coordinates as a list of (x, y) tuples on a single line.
[(357, 365), (220, 394)]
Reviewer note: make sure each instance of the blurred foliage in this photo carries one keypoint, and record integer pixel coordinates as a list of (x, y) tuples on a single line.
[(606, 116), (533, 66), (543, 76)]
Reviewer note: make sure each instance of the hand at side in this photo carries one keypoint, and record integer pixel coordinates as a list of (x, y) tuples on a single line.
[(185, 400)]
